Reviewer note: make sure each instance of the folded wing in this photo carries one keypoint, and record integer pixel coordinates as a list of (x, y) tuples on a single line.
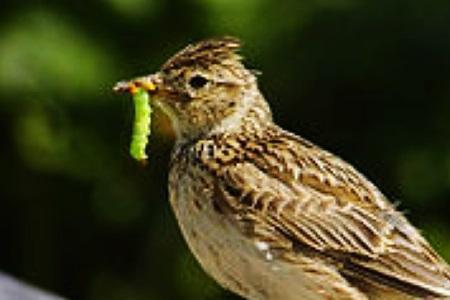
[(303, 199)]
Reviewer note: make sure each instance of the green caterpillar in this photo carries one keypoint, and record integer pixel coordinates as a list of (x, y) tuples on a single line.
[(141, 124)]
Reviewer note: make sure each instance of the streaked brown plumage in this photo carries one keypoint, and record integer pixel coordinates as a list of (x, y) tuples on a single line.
[(268, 214)]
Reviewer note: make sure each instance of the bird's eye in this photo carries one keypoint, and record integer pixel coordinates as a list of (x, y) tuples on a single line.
[(198, 81)]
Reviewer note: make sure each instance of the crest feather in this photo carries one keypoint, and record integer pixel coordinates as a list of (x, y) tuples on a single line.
[(204, 53)]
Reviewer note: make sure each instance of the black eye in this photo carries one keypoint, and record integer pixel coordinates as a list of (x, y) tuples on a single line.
[(198, 81)]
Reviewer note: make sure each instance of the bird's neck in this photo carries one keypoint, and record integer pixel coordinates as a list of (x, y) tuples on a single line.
[(252, 116), (251, 120)]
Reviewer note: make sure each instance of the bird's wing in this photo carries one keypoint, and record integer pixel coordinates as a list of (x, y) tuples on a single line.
[(285, 186)]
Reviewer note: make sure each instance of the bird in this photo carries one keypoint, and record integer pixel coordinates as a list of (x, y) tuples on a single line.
[(268, 214)]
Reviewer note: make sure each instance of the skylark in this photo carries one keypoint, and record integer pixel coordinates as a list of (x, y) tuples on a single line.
[(268, 214)]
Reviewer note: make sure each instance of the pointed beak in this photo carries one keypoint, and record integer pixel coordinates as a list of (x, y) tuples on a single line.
[(150, 83)]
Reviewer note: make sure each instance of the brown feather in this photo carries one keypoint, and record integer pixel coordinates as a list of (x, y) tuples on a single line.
[(316, 200)]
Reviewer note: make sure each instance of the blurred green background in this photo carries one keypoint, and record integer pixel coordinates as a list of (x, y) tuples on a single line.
[(368, 80)]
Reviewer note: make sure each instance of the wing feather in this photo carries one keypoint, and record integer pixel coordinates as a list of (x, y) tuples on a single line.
[(315, 200)]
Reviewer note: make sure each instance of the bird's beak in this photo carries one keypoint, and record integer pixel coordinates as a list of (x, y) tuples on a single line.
[(150, 84)]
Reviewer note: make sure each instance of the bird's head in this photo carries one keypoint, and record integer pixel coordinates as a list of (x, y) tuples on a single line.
[(203, 88)]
